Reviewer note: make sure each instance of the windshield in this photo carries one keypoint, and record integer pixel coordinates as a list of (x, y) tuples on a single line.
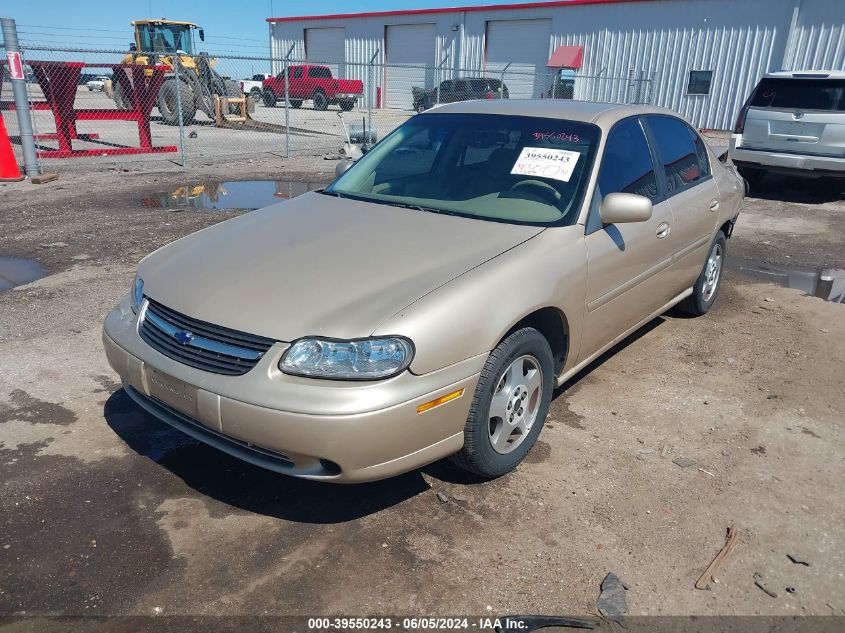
[(516, 169), (166, 38), (803, 94)]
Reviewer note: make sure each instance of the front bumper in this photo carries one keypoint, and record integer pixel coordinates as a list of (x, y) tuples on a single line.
[(786, 162), (314, 429)]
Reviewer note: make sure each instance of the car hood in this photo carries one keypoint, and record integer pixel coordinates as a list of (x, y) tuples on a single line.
[(318, 264)]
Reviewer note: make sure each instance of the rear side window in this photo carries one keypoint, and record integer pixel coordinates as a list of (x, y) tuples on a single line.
[(800, 94), (319, 73), (627, 166), (683, 163)]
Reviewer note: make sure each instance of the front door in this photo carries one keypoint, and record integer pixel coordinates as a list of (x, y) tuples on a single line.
[(626, 263)]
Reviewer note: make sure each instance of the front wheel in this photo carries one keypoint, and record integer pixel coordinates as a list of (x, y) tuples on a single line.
[(321, 101), (269, 98), (510, 405), (168, 104), (707, 285)]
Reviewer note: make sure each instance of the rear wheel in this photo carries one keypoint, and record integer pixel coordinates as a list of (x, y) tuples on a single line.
[(255, 94), (707, 285), (510, 405), (321, 101), (269, 98), (168, 102), (753, 176), (119, 99)]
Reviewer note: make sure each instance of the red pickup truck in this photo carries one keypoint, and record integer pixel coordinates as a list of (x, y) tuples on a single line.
[(312, 82)]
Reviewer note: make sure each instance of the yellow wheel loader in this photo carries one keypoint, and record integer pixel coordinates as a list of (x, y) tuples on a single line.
[(159, 42)]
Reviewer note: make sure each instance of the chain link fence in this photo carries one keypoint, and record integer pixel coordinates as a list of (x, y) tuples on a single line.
[(113, 105)]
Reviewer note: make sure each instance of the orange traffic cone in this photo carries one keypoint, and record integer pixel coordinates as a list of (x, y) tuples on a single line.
[(9, 169)]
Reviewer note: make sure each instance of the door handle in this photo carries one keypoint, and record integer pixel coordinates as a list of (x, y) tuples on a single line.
[(714, 205), (663, 230)]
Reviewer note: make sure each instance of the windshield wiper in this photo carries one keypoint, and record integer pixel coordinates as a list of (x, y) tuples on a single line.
[(326, 192), (419, 207)]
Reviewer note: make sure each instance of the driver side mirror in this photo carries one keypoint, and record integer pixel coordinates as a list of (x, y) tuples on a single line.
[(342, 166), (620, 208)]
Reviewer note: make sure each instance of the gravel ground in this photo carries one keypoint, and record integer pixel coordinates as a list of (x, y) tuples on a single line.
[(106, 511)]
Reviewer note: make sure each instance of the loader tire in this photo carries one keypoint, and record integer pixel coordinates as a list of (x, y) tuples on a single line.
[(167, 102), (119, 99)]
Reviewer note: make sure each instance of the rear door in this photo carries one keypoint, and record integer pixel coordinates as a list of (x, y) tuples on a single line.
[(627, 263), (691, 191), (798, 115)]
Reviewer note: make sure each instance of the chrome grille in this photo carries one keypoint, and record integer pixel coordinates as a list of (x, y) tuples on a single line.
[(199, 344)]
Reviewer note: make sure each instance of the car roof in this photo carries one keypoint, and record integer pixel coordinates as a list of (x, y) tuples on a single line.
[(808, 74), (602, 114)]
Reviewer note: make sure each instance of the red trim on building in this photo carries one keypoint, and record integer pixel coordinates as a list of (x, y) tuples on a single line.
[(489, 7)]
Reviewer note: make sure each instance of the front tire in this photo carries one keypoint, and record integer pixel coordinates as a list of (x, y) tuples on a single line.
[(269, 98), (321, 101), (707, 285), (167, 102), (510, 405)]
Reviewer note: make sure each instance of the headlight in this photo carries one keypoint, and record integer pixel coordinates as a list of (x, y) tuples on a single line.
[(365, 359), (137, 294)]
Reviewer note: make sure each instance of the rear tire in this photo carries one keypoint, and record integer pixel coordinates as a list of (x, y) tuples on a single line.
[(119, 100), (753, 176), (321, 101), (510, 405), (706, 287), (269, 98), (255, 94), (167, 102)]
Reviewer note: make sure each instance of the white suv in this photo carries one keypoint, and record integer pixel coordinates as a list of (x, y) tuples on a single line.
[(793, 122)]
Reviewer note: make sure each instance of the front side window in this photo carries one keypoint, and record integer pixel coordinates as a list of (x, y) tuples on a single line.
[(524, 170), (627, 166), (681, 160)]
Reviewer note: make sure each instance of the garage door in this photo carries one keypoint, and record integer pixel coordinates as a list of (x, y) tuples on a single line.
[(327, 46), (410, 62), (525, 45)]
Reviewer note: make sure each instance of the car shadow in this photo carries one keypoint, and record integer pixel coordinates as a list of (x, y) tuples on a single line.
[(621, 345), (781, 188), (239, 484)]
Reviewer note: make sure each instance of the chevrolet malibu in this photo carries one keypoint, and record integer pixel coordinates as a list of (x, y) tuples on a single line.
[(427, 303)]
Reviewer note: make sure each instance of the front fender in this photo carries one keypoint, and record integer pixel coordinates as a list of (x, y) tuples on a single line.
[(471, 314)]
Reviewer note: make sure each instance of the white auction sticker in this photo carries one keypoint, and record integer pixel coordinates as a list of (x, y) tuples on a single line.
[(557, 164)]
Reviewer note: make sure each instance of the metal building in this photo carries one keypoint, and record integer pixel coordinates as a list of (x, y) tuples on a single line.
[(699, 57)]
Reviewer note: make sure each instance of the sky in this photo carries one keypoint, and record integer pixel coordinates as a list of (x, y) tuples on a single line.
[(231, 27)]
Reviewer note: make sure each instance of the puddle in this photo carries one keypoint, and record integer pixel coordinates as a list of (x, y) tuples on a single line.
[(233, 194), (16, 271), (825, 283)]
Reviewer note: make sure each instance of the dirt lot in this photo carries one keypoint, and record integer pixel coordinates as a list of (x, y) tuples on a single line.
[(104, 510)]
